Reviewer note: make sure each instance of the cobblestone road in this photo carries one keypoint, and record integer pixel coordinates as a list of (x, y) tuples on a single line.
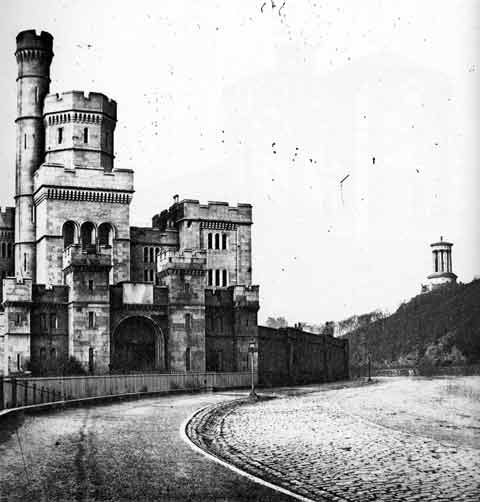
[(130, 451), (398, 440)]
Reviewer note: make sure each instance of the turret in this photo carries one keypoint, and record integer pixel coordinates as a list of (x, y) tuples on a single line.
[(34, 56), (79, 130)]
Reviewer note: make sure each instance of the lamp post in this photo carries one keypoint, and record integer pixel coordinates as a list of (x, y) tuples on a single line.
[(252, 348)]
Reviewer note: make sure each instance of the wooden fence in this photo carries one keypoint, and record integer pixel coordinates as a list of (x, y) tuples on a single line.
[(15, 392)]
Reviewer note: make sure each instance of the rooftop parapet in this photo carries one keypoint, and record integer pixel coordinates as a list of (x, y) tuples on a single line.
[(76, 256), (71, 101), (17, 290), (213, 210), (246, 295), (7, 217), (29, 39), (185, 260)]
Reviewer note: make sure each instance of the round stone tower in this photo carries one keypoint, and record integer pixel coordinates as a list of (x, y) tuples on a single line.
[(34, 56), (442, 264)]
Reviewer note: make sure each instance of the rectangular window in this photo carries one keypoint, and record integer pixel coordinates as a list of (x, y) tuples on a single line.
[(19, 362), (85, 135), (24, 262), (53, 321), (210, 241), (25, 141), (91, 320), (36, 95), (90, 284), (152, 260), (43, 322), (18, 319), (187, 288), (210, 277), (145, 255), (224, 241), (217, 241), (224, 278), (60, 135), (219, 360), (151, 275), (9, 250), (188, 322), (187, 359), (145, 275), (217, 277)]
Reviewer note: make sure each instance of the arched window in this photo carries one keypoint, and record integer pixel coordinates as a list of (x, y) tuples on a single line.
[(151, 255), (68, 233), (217, 241), (210, 245), (105, 234), (224, 241), (87, 234)]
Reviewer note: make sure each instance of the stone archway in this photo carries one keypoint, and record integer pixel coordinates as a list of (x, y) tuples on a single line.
[(138, 345)]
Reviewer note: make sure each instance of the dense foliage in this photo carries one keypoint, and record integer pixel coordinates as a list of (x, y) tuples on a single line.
[(438, 328)]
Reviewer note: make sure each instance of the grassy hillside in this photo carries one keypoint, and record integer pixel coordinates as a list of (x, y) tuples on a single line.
[(434, 329)]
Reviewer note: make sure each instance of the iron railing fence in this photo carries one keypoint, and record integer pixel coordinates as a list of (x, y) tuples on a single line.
[(25, 391)]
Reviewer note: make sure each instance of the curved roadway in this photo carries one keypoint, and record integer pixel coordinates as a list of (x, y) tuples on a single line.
[(116, 452)]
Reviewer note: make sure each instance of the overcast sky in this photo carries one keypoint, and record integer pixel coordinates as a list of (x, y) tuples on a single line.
[(230, 101)]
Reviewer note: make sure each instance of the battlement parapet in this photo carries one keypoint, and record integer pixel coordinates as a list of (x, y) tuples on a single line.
[(214, 210), (56, 175), (245, 295), (76, 256), (17, 290), (80, 101), (29, 39), (7, 217), (184, 260), (43, 293)]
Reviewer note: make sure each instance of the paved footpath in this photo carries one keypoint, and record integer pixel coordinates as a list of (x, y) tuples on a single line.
[(129, 451), (398, 440)]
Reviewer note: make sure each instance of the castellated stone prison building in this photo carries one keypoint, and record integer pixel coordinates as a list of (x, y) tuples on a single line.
[(80, 282)]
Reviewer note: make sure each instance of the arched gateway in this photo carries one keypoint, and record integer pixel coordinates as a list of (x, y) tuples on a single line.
[(138, 345)]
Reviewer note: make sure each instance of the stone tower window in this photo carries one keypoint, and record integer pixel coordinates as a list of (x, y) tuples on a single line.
[(187, 359), (85, 135), (60, 135), (36, 95), (53, 321), (188, 322), (151, 275), (217, 241), (145, 255), (91, 320), (224, 278), (25, 141), (210, 277), (210, 245), (4, 249), (151, 255), (9, 250), (87, 232), (68, 233), (224, 241), (24, 262), (145, 275), (217, 277)]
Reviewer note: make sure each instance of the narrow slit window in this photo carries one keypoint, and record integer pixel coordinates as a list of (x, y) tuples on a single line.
[(224, 241), (60, 135), (145, 275), (24, 262), (188, 322), (151, 255), (90, 284), (187, 359), (85, 135), (210, 241), (217, 241), (25, 141), (91, 320), (36, 95), (151, 275), (210, 277), (145, 255), (224, 278), (53, 321), (217, 277)]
